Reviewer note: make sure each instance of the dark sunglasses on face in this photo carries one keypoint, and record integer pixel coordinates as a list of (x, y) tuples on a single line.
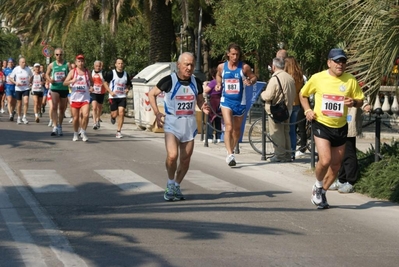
[(58, 54), (340, 60)]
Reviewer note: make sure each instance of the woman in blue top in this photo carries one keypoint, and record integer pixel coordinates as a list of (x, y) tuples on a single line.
[(232, 77)]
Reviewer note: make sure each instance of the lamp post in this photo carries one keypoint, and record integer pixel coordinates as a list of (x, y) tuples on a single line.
[(197, 71)]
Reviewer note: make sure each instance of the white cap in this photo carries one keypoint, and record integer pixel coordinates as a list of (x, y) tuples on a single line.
[(36, 65)]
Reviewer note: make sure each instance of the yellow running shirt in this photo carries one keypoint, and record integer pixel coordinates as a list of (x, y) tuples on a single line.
[(330, 93)]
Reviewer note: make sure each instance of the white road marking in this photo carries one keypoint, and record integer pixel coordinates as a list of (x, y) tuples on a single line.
[(129, 181), (211, 182), (59, 244), (46, 181), (24, 242)]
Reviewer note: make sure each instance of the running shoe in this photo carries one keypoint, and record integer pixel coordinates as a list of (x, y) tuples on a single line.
[(95, 126), (169, 194), (84, 137), (59, 131), (316, 195), (24, 120), (1, 110), (54, 132), (11, 117), (70, 120), (230, 160), (50, 123), (178, 193), (19, 121), (324, 204), (75, 137), (37, 119), (113, 120), (98, 125), (346, 188), (118, 135), (336, 185)]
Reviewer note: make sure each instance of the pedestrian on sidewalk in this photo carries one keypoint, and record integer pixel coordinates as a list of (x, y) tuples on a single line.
[(348, 174), (183, 91), (335, 91)]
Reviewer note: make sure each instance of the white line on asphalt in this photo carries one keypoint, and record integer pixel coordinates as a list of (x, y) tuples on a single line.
[(59, 244), (46, 181), (129, 181), (30, 253), (211, 182)]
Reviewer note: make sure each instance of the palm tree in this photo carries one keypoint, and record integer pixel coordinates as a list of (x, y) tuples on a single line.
[(372, 42)]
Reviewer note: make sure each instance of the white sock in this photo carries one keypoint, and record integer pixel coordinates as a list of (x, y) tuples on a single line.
[(171, 181), (19, 117), (36, 115), (319, 184), (176, 184)]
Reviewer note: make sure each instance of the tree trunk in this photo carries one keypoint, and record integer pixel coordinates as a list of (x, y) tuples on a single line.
[(162, 36)]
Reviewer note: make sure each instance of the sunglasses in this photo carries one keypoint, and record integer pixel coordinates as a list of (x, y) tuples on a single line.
[(340, 60), (58, 54)]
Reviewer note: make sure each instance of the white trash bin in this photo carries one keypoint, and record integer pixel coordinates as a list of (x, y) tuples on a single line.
[(142, 83)]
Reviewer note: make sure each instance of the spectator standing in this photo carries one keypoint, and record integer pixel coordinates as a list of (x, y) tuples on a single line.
[(279, 132), (214, 99), (349, 171), (335, 91), (292, 68)]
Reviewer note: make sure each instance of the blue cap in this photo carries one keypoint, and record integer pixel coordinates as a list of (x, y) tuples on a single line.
[(336, 53), (10, 59)]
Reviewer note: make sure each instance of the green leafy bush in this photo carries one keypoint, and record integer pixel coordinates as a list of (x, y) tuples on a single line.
[(380, 179)]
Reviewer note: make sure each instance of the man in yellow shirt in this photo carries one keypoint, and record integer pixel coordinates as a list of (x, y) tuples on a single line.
[(335, 91)]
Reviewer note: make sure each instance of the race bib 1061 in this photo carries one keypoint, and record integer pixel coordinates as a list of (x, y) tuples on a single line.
[(333, 105)]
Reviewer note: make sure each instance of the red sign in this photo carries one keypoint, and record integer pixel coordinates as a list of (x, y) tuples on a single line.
[(47, 51)]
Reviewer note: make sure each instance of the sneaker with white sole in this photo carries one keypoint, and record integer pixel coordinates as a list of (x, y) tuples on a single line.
[(231, 160), (316, 195), (178, 193), (54, 132), (59, 131), (336, 185), (169, 194), (84, 136), (1, 110), (118, 135), (19, 121), (50, 123), (95, 126), (346, 188), (324, 204), (299, 154), (24, 120), (75, 137)]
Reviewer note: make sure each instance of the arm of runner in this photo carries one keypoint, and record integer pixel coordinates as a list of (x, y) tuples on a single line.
[(218, 77), (48, 73), (69, 79), (152, 96), (251, 77)]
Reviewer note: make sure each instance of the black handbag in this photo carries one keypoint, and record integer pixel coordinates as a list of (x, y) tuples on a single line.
[(280, 111)]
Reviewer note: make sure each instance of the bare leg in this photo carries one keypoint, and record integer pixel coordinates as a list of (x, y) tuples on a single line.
[(172, 145), (228, 131), (84, 111), (121, 118), (186, 150)]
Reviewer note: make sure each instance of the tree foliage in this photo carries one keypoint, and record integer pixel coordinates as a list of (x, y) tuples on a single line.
[(306, 28)]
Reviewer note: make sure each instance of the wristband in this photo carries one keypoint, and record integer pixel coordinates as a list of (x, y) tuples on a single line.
[(306, 111)]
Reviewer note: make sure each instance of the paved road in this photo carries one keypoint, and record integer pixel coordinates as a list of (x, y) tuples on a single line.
[(100, 203)]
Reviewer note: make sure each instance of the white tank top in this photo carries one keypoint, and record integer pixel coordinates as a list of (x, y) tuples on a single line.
[(37, 83), (181, 99), (118, 85), (80, 89)]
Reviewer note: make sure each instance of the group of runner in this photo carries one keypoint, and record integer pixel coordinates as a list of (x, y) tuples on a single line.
[(64, 83)]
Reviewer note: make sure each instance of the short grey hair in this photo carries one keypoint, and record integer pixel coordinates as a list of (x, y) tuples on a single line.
[(185, 54), (279, 63), (97, 61)]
